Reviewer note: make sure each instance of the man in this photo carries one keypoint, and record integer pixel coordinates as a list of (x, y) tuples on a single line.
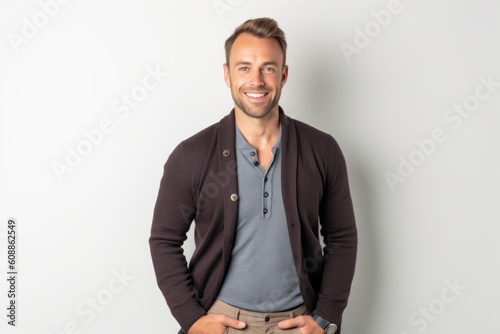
[(256, 183)]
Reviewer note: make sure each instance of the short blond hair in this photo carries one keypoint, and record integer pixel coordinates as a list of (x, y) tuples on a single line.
[(263, 27)]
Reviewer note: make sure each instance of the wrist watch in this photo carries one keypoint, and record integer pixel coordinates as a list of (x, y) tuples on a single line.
[(327, 327)]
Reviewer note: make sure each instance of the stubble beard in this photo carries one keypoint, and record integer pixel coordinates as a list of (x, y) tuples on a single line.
[(254, 111)]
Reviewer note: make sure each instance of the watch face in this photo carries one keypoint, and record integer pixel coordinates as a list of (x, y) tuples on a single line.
[(331, 329)]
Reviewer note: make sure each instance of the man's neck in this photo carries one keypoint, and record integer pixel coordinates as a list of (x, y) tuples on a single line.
[(259, 132)]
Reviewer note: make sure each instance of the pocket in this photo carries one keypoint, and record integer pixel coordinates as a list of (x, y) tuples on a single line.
[(234, 331), (287, 331)]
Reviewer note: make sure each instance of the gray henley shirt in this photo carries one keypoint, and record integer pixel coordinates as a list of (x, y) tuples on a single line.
[(261, 276)]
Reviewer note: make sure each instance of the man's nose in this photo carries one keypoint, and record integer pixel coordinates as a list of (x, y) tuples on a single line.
[(257, 79)]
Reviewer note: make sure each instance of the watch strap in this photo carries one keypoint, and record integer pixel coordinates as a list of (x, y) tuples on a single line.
[(320, 321), (329, 328)]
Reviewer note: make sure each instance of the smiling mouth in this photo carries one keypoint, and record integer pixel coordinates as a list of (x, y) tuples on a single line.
[(256, 95)]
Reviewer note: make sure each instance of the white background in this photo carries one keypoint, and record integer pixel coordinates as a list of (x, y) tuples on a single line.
[(441, 224)]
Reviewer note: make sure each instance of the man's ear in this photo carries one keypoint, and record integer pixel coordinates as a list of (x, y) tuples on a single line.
[(284, 76), (227, 79)]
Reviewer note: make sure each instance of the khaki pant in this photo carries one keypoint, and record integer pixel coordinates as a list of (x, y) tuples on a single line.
[(257, 323)]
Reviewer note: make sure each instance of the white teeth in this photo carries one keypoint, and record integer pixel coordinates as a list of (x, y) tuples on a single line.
[(255, 95)]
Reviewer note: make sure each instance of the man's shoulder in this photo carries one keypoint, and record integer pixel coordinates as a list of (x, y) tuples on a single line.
[(201, 144), (317, 145), (309, 129), (202, 138), (310, 135)]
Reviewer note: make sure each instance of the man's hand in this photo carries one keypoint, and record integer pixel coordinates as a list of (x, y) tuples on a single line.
[(215, 324), (305, 323)]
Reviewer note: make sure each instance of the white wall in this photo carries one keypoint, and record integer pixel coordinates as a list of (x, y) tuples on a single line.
[(437, 226)]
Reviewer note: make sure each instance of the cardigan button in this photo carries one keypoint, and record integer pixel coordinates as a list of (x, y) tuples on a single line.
[(234, 197), (226, 153)]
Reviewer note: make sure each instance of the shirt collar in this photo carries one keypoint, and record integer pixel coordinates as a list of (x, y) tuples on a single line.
[(242, 143)]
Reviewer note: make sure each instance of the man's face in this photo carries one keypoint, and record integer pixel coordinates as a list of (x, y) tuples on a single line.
[(255, 74)]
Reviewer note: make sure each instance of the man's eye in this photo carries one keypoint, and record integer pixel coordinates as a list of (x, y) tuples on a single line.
[(244, 69), (269, 69)]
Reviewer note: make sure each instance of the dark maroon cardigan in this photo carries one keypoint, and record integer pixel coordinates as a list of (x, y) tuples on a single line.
[(199, 183)]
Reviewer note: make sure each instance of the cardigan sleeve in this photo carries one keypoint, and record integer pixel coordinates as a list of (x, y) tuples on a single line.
[(339, 232), (173, 214)]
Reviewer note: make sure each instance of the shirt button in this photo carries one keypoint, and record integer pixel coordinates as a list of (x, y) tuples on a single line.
[(266, 194), (255, 163), (234, 197), (265, 211), (226, 153), (252, 153)]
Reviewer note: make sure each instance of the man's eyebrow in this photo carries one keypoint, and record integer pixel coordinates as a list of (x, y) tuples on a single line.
[(244, 62), (270, 63)]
